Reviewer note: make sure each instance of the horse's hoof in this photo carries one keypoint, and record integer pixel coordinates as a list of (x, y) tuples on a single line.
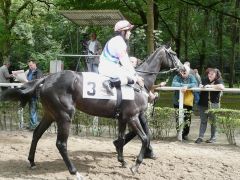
[(79, 176), (73, 171), (150, 156), (124, 165), (33, 165), (134, 170)]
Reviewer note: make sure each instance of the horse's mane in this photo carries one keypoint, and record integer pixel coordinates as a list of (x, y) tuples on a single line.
[(149, 58)]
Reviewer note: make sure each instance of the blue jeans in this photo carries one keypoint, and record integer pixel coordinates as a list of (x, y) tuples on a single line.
[(204, 116), (92, 67), (33, 113)]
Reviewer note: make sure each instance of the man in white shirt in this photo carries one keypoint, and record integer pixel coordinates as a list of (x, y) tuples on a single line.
[(94, 48)]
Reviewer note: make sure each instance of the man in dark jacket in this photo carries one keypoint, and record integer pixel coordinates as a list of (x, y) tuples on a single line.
[(32, 74)]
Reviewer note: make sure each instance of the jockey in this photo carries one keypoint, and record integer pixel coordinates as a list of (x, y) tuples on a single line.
[(114, 60)]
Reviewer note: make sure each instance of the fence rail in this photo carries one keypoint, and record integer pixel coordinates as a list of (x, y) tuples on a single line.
[(181, 97)]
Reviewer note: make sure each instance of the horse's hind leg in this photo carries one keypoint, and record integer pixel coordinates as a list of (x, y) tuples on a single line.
[(137, 128), (38, 132), (121, 133), (62, 137), (130, 135)]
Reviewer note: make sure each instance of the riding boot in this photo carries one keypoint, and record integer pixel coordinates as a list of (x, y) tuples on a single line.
[(130, 81), (107, 86)]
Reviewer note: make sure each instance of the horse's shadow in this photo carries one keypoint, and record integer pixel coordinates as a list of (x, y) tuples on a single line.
[(85, 162)]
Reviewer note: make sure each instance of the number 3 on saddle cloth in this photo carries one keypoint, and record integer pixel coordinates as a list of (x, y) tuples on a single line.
[(93, 88)]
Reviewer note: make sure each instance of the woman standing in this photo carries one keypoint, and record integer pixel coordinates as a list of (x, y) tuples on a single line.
[(209, 100)]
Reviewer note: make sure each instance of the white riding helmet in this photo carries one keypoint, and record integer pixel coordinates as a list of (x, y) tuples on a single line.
[(123, 25)]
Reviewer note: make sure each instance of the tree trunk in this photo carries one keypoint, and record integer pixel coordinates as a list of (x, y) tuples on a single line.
[(150, 27), (179, 30), (186, 32), (235, 29), (156, 15), (220, 43), (203, 46)]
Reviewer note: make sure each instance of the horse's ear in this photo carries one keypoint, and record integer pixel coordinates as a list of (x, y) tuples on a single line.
[(168, 45)]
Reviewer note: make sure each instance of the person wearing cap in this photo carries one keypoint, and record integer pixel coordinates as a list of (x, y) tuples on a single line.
[(114, 59), (186, 80), (4, 74)]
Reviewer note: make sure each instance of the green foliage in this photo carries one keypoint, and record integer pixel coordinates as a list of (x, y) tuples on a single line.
[(161, 121), (93, 126), (228, 121)]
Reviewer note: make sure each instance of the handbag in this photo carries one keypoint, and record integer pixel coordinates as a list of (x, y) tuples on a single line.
[(188, 98)]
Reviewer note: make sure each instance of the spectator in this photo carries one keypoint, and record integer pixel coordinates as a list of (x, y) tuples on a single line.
[(186, 80), (32, 74), (208, 100), (194, 72), (197, 76), (4, 73), (199, 81), (94, 48), (135, 61)]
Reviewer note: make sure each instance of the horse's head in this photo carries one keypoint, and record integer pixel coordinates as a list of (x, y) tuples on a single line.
[(171, 60), (161, 58)]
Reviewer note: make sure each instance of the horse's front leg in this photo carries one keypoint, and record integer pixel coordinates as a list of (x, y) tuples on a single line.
[(119, 148), (137, 128)]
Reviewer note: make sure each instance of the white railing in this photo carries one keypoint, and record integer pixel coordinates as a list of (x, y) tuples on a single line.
[(181, 96), (76, 55)]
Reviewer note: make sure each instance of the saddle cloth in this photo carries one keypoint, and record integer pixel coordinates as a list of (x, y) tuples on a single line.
[(93, 88)]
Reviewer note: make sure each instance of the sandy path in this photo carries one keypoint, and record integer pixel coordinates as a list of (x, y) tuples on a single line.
[(95, 159)]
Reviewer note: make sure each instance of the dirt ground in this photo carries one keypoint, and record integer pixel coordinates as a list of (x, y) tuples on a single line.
[(95, 158)]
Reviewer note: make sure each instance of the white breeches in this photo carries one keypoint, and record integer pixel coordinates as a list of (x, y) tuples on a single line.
[(113, 70)]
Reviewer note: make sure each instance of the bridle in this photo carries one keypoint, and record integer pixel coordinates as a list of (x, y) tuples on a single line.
[(170, 55)]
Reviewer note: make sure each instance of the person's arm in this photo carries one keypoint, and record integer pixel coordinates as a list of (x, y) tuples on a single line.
[(219, 86), (125, 62), (193, 82), (6, 74), (176, 82), (98, 48), (39, 74)]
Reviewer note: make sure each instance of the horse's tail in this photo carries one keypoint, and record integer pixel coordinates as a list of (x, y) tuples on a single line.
[(23, 93)]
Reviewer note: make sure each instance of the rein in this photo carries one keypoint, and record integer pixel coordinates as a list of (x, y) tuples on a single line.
[(161, 72)]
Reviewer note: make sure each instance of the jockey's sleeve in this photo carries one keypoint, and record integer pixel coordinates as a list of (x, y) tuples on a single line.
[(126, 63)]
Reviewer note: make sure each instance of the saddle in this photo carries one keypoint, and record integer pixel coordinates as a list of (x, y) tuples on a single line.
[(109, 85)]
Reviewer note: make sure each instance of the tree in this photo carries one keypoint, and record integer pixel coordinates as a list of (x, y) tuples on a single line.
[(235, 42), (150, 27), (10, 11)]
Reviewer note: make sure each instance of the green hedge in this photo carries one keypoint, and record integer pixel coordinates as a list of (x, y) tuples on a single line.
[(228, 122)]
